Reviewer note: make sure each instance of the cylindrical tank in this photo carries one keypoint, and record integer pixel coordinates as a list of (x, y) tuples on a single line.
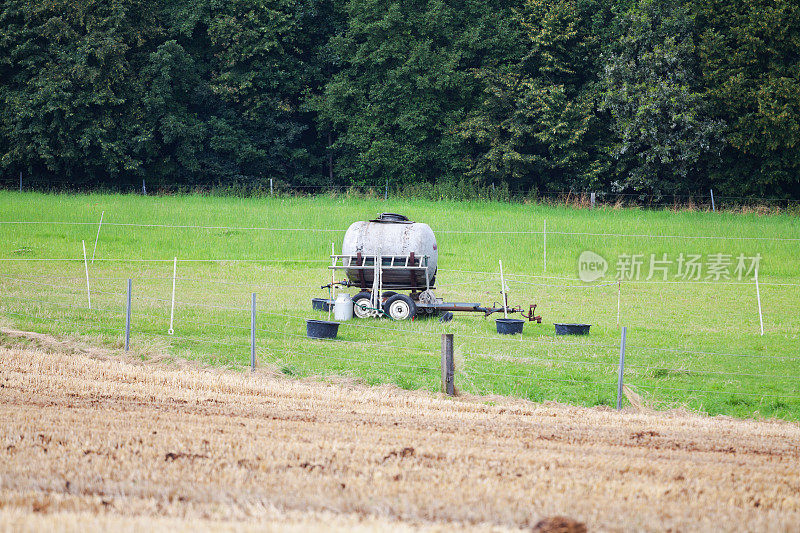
[(393, 237)]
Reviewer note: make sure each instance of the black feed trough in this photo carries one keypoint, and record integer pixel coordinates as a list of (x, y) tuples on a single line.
[(572, 329), (321, 304), (321, 329), (509, 326)]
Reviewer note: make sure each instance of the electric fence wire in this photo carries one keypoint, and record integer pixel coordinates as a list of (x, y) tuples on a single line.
[(200, 323), (65, 306), (540, 378), (118, 331), (682, 371), (536, 378), (453, 232), (497, 374), (192, 339), (76, 287), (166, 260), (216, 342), (297, 335), (369, 361), (554, 342), (540, 341), (509, 276), (726, 392)]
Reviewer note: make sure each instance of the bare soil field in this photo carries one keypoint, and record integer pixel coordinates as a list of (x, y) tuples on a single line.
[(92, 440)]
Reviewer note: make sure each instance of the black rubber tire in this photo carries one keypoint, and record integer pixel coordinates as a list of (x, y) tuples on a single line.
[(400, 307), (360, 296), (387, 294)]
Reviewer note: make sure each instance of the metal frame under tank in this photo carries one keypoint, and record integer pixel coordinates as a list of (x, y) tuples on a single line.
[(424, 300), (379, 265)]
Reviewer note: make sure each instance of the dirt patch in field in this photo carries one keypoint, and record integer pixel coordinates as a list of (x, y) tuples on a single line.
[(96, 441)]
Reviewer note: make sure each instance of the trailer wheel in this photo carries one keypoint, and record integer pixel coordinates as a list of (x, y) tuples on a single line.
[(400, 307), (362, 305)]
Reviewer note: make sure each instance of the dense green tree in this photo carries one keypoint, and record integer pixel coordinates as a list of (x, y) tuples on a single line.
[(748, 54), (660, 119), (192, 92), (537, 124), (643, 96), (69, 86), (403, 85), (174, 134), (267, 57)]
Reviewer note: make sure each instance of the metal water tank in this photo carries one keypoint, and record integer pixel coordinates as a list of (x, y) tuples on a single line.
[(399, 243)]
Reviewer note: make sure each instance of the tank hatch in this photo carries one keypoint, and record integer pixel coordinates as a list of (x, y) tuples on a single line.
[(392, 218)]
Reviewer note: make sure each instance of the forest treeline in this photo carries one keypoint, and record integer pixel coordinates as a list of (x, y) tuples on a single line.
[(658, 97)]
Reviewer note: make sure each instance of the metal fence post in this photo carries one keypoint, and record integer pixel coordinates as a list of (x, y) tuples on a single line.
[(86, 268), (448, 367), (253, 334), (713, 207), (128, 318), (270, 187), (621, 367), (97, 237), (591, 196), (171, 330), (386, 194), (758, 296)]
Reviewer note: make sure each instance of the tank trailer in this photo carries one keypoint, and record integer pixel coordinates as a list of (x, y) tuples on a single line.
[(394, 262)]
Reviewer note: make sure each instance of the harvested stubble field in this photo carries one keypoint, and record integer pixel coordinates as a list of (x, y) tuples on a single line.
[(93, 441)]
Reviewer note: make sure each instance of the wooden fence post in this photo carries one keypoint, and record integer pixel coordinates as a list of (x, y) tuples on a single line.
[(448, 367)]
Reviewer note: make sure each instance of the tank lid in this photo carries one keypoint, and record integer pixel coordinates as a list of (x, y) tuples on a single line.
[(392, 218)]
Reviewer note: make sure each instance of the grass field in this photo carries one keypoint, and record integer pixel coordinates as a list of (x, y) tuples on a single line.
[(95, 441), (693, 344)]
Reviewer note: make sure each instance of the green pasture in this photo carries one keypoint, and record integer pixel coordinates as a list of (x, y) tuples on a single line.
[(691, 343)]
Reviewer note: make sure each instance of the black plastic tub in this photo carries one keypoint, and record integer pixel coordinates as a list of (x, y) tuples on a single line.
[(321, 329), (572, 329), (321, 304), (509, 326)]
